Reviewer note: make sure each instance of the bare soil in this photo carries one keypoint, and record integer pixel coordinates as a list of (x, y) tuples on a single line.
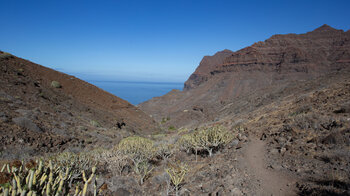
[(270, 182)]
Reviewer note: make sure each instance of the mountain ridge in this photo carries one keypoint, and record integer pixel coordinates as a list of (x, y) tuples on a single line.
[(227, 75)]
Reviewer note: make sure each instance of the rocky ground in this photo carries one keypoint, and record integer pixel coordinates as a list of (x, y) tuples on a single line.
[(295, 145), (37, 117), (289, 117)]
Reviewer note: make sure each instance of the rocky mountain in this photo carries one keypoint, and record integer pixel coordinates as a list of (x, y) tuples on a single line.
[(270, 119), (253, 73), (43, 110), (287, 99)]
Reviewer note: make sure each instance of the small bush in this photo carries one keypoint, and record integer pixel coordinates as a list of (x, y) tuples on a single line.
[(5, 55), (56, 84), (75, 162), (140, 151), (165, 150), (177, 174), (164, 120), (95, 123), (171, 128), (187, 142), (137, 148), (114, 161), (208, 139), (182, 131)]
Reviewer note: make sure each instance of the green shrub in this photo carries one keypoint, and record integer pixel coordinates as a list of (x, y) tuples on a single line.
[(187, 142), (76, 162), (38, 178), (208, 138), (165, 150), (182, 131), (137, 148), (56, 84), (177, 174), (114, 161), (140, 151), (95, 123), (164, 120)]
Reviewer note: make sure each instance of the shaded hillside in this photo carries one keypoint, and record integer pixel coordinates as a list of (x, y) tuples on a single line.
[(38, 117), (255, 71)]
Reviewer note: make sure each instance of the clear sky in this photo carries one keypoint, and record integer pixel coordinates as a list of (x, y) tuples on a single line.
[(150, 40)]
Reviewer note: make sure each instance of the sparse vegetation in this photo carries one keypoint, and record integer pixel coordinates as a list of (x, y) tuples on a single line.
[(140, 151), (95, 123), (177, 172), (182, 131), (171, 128), (40, 178), (75, 162), (165, 150), (56, 84), (5, 55), (208, 138), (164, 120), (114, 160)]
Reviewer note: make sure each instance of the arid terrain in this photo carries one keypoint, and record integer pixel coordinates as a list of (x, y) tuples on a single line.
[(38, 117), (279, 111)]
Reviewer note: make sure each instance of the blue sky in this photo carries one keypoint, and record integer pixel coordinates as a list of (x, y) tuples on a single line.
[(150, 40)]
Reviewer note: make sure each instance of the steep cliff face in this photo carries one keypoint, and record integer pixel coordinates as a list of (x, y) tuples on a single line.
[(36, 117), (316, 52), (207, 64), (226, 78)]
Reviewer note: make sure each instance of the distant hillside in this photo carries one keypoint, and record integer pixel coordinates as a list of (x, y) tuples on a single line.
[(258, 70), (40, 115)]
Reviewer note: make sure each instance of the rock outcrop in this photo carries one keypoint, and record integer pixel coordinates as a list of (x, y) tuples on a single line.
[(222, 79)]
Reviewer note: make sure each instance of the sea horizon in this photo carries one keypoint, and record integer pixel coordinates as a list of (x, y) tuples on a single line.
[(136, 92)]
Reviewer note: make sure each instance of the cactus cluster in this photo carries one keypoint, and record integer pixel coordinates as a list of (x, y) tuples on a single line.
[(165, 150), (114, 161), (38, 178), (76, 162), (207, 139), (140, 151)]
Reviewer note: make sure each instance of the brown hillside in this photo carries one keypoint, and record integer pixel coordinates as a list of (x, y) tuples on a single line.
[(257, 70), (287, 99), (37, 117)]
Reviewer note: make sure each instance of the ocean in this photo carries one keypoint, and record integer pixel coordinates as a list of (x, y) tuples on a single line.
[(137, 92)]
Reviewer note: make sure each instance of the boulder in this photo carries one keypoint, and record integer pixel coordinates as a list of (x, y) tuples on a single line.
[(26, 123)]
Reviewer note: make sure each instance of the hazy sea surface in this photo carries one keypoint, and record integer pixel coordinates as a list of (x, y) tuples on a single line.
[(137, 92)]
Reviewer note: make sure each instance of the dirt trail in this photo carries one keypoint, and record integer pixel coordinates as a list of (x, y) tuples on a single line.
[(270, 182)]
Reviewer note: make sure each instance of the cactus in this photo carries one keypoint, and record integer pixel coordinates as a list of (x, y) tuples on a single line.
[(114, 161), (38, 178), (140, 151), (143, 169), (87, 181), (177, 174), (165, 150), (207, 139)]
